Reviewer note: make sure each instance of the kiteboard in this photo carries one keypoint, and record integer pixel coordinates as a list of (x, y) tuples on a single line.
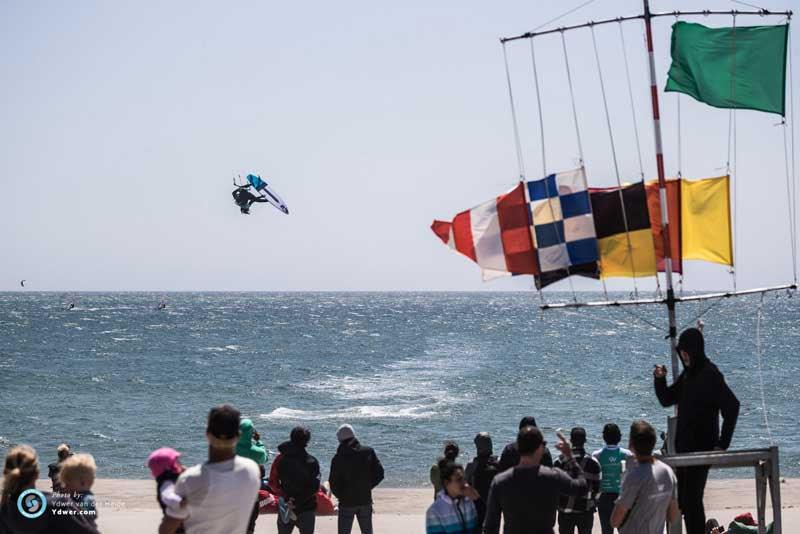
[(267, 193)]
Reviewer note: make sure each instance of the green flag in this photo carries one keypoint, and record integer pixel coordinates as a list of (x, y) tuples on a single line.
[(742, 67)]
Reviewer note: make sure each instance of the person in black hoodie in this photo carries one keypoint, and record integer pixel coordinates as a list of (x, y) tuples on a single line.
[(481, 471), (298, 478), (355, 470), (510, 455), (701, 395)]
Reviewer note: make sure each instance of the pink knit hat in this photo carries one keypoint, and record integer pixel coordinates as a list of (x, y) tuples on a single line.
[(163, 459)]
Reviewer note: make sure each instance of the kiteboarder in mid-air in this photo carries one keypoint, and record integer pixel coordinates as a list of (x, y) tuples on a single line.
[(244, 198)]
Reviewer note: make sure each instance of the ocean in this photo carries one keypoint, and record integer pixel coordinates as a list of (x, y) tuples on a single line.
[(118, 378)]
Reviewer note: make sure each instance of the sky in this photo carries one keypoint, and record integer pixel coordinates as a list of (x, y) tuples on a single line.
[(122, 124)]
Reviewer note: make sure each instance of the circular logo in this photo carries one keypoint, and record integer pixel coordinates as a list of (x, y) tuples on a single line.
[(31, 503)]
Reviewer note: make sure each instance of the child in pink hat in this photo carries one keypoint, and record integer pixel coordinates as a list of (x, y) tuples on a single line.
[(165, 466)]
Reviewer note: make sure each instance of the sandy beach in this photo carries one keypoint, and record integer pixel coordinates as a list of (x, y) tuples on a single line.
[(129, 507)]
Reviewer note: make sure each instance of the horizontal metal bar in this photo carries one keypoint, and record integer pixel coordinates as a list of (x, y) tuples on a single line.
[(691, 298), (735, 293), (736, 12), (561, 29), (601, 303), (529, 35), (742, 458)]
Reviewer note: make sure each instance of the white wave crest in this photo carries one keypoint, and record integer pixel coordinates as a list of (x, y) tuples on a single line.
[(355, 412)]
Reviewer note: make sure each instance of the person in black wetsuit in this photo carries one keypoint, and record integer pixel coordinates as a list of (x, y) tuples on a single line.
[(701, 395), (244, 198)]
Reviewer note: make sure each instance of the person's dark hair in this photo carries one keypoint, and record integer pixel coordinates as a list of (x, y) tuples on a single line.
[(300, 436), (223, 422), (612, 434), (447, 469), (691, 340), (529, 439), (527, 421), (451, 450), (643, 438), (577, 437), (483, 444)]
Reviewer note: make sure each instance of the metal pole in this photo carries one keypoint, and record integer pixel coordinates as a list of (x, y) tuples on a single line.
[(662, 190)]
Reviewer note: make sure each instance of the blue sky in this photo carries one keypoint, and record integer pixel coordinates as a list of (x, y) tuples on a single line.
[(123, 122)]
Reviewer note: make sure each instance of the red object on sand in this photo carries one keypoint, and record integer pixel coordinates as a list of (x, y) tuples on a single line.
[(746, 519)]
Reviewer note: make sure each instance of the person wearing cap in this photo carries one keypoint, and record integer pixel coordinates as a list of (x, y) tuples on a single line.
[(297, 481), (165, 466), (218, 494), (510, 455), (701, 395), (527, 495), (577, 511), (481, 471), (355, 471)]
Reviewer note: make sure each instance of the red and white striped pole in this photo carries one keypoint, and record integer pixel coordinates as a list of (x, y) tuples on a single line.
[(662, 192)]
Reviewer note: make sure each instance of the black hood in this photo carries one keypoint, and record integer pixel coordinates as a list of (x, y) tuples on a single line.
[(691, 341), (287, 448), (349, 446)]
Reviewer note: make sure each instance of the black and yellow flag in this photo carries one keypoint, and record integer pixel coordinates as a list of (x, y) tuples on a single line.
[(623, 253)]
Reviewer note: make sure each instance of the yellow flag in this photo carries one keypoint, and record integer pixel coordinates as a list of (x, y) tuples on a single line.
[(706, 220)]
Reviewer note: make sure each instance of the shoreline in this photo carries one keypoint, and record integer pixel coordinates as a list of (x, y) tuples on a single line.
[(721, 494), (128, 506)]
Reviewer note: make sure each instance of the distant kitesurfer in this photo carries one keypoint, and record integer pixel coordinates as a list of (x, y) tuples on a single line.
[(71, 306), (162, 305), (701, 395), (244, 198)]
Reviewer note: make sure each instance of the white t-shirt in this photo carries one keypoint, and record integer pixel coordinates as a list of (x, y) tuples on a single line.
[(220, 496)]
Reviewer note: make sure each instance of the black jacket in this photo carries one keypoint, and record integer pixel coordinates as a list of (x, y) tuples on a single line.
[(298, 473), (701, 394), (355, 470), (510, 457)]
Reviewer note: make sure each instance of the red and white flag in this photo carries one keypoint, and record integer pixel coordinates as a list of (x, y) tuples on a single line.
[(496, 235)]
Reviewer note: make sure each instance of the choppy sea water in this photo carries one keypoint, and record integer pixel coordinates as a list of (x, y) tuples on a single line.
[(118, 378)]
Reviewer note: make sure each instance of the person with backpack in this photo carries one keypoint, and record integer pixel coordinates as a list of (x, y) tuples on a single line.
[(355, 471), (296, 480), (481, 471), (577, 511)]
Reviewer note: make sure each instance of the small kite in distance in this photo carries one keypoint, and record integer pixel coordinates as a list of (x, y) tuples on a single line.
[(22, 283)]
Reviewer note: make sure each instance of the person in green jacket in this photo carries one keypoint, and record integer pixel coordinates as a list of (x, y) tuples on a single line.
[(250, 446)]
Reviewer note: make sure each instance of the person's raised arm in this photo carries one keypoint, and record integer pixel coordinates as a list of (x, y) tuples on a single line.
[(667, 395), (729, 407), (571, 480)]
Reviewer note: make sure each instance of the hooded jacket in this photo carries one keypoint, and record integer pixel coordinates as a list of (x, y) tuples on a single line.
[(298, 476), (701, 395), (248, 447), (355, 470)]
